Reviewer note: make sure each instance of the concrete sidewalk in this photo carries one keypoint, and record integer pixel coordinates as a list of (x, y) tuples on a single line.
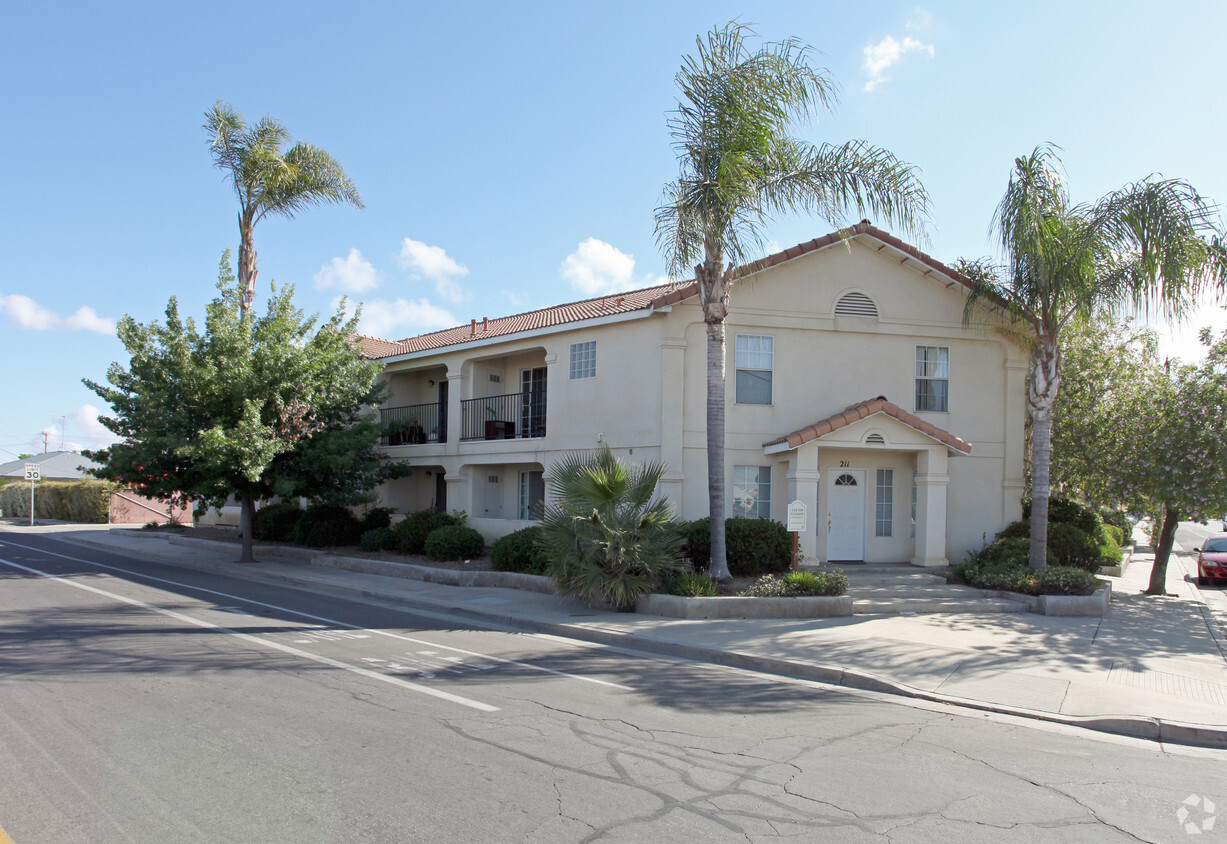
[(1153, 668)]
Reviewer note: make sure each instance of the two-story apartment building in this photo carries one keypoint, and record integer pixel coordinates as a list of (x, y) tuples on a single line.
[(853, 387)]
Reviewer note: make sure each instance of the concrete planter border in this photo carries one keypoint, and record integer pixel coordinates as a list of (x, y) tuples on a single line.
[(1117, 571), (811, 606), (1069, 606)]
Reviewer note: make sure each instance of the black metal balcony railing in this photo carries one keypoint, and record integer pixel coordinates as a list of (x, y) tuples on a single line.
[(414, 424), (513, 416)]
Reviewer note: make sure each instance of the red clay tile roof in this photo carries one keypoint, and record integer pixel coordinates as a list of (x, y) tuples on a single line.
[(865, 409), (616, 303), (634, 300)]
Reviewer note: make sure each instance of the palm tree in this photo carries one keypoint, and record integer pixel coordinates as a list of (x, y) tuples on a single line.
[(740, 166), (269, 181), (608, 536), (1150, 243)]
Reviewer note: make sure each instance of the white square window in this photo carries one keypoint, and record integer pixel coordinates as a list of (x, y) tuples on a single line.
[(583, 360), (752, 492), (755, 358), (933, 378)]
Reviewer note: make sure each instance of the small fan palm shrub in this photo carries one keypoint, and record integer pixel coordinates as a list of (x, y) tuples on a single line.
[(608, 537)]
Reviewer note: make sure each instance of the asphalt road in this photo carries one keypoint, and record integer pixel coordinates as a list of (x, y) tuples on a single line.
[(146, 703)]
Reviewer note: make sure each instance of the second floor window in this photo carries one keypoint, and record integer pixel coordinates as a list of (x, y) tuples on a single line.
[(583, 360), (933, 378), (755, 358)]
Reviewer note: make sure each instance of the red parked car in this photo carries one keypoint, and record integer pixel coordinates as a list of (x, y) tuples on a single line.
[(1212, 559)]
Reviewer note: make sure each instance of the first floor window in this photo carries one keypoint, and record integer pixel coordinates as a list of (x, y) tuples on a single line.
[(885, 517), (755, 358), (933, 378), (532, 495), (583, 360), (751, 492)]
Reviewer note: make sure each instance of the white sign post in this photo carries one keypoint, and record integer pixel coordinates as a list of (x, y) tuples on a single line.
[(32, 475), (796, 525)]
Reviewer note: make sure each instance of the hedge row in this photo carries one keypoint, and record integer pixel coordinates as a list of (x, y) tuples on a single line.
[(70, 501)]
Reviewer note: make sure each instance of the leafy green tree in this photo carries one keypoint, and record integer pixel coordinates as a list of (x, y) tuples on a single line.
[(1150, 243), (606, 533), (254, 407), (740, 165), (267, 180), (1139, 433)]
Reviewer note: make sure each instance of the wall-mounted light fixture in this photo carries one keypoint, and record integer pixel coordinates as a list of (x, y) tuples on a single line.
[(430, 381)]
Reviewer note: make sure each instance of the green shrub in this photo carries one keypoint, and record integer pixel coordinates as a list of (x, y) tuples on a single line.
[(1110, 554), (377, 539), (1015, 530), (1062, 580), (692, 585), (275, 523), (753, 546), (795, 584), (1115, 534), (1003, 578), (1118, 519), (519, 552), (327, 534), (1067, 512), (377, 517), (411, 531), (327, 526), (1073, 546), (454, 542)]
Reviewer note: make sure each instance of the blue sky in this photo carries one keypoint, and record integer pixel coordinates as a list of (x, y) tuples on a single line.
[(511, 155)]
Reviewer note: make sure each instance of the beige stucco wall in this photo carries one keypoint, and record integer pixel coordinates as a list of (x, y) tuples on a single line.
[(648, 398)]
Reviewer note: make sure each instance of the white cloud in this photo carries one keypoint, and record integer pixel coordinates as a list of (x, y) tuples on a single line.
[(24, 312), (434, 264), (84, 421), (595, 267), (880, 57), (399, 318), (353, 274)]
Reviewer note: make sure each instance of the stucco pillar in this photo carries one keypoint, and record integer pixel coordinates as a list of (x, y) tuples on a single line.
[(1016, 369), (803, 478), (672, 372), (931, 483), (457, 390), (460, 489)]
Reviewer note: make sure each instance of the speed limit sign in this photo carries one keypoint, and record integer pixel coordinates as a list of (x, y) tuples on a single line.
[(32, 473)]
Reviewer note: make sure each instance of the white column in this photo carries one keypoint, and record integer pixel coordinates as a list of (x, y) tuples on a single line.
[(803, 477), (931, 483), (457, 382)]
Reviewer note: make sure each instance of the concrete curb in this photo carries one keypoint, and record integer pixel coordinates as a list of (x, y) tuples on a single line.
[(1135, 726), (810, 606)]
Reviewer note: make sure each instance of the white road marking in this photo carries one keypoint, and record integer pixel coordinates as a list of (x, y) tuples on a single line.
[(265, 643), (368, 630)]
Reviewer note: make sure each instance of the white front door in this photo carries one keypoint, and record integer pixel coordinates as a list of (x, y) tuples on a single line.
[(846, 514)]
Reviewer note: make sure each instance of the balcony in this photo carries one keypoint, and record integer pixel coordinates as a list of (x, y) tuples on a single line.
[(512, 416), (415, 424)]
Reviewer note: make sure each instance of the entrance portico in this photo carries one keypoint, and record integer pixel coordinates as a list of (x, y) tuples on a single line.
[(876, 477)]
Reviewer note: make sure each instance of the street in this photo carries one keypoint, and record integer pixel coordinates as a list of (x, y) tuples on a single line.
[(141, 702)]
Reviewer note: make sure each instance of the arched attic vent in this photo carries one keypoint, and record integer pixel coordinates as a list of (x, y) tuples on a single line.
[(857, 305)]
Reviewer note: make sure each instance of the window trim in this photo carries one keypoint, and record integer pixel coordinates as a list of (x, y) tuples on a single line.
[(762, 483), (738, 368), (921, 367)]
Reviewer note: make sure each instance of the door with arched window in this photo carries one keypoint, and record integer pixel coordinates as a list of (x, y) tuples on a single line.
[(846, 515)]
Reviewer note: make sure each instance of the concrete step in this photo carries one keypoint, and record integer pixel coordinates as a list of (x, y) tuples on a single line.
[(902, 605)]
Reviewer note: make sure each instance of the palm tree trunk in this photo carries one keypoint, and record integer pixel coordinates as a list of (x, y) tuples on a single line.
[(1042, 395), (247, 271), (1167, 538), (246, 518), (719, 567), (714, 282)]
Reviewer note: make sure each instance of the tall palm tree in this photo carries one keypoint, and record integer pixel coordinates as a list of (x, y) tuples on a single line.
[(740, 166), (1152, 243), (269, 181)]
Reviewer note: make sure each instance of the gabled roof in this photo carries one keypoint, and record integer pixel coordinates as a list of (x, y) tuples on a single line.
[(54, 465), (863, 410), (647, 299)]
